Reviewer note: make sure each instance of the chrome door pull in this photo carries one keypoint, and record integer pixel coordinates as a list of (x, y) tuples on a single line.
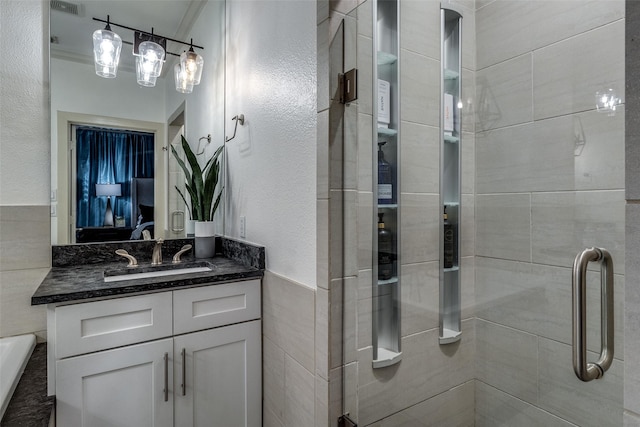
[(590, 371)]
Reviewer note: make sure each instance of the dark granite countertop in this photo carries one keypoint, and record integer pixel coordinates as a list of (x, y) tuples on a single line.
[(30, 405), (83, 278)]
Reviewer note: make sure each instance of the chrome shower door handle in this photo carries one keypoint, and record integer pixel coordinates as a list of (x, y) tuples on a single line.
[(590, 371)]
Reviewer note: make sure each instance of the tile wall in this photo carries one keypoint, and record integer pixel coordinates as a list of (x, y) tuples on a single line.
[(549, 183), (430, 376)]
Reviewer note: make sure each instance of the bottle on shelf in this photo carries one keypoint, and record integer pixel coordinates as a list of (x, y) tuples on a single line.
[(449, 239), (385, 178), (385, 250)]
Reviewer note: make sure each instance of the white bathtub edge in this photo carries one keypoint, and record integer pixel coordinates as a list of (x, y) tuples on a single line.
[(14, 356)]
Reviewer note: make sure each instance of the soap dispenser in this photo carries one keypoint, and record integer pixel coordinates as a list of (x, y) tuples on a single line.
[(449, 239), (385, 178), (385, 250)]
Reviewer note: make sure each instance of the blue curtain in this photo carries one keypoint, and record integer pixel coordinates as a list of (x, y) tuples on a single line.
[(108, 156)]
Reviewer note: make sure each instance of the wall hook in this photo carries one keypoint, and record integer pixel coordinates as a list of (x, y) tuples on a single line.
[(208, 138), (239, 119)]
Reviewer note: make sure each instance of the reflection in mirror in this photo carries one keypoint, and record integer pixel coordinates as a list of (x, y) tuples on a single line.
[(117, 132)]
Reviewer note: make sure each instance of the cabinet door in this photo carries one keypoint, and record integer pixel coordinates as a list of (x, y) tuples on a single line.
[(222, 376), (120, 387)]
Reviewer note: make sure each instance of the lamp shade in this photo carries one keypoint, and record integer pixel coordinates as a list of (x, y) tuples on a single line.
[(149, 63), (183, 85), (108, 190), (193, 64), (106, 52)]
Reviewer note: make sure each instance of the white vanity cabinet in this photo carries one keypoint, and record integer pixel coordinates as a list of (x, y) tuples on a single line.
[(178, 358)]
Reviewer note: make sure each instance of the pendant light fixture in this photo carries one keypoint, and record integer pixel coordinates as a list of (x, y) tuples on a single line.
[(106, 51), (149, 59), (150, 52), (192, 64)]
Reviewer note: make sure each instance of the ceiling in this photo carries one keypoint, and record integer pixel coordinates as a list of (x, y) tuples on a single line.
[(71, 34)]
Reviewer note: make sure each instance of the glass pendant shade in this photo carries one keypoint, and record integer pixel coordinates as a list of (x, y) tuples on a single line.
[(106, 52), (149, 63), (193, 64), (183, 84)]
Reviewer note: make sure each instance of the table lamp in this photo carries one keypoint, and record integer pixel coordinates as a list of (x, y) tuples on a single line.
[(108, 190)]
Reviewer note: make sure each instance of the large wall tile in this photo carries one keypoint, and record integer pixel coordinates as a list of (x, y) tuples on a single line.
[(419, 168), (17, 315), (420, 90), (322, 243), (299, 386), (350, 230), (323, 332), (468, 149), (468, 285), (558, 20), (454, 407), (507, 359), (420, 27), (631, 419), (322, 159), (503, 226), (426, 369), (272, 378), (468, 228), (537, 299), (350, 149), (288, 317), (632, 101), (366, 150), (419, 307), (565, 223), (496, 19), (495, 408), (336, 234), (597, 403), (322, 66), (503, 159), (420, 229), (365, 74), (26, 237), (566, 75), (632, 311), (365, 230), (503, 94)]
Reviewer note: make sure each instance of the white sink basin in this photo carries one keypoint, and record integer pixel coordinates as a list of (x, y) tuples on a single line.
[(159, 272)]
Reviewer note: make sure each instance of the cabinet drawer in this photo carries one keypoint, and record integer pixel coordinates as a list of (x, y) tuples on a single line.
[(218, 305), (93, 326)]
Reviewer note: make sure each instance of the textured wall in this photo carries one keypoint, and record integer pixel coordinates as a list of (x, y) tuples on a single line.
[(25, 252), (24, 104), (271, 79)]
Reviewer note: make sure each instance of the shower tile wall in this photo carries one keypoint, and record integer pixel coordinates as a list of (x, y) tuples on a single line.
[(549, 182), (429, 376)]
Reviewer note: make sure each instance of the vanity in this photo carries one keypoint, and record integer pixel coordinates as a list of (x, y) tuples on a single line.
[(180, 349)]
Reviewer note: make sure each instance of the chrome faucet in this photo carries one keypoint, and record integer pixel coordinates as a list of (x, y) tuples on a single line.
[(156, 258)]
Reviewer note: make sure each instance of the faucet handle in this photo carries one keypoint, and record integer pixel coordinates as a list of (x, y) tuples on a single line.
[(133, 262), (176, 257)]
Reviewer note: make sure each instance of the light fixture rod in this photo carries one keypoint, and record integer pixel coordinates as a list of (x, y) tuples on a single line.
[(146, 32)]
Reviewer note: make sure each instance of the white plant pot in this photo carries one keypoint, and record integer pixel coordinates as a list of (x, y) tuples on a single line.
[(205, 239), (190, 227)]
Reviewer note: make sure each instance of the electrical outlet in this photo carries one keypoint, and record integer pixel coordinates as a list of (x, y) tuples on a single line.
[(243, 227)]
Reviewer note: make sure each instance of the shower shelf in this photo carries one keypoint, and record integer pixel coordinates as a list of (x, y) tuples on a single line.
[(391, 281), (451, 139), (386, 58), (450, 172), (386, 357), (451, 74), (389, 206), (387, 131)]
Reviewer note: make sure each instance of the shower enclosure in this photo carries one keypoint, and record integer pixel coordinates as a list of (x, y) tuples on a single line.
[(540, 117)]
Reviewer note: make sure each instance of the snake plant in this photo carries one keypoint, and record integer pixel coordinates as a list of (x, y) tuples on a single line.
[(201, 182)]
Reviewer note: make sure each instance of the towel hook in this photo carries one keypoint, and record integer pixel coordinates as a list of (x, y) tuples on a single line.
[(208, 138), (239, 119)]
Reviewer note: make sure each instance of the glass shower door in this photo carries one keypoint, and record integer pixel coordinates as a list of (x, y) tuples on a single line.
[(542, 178)]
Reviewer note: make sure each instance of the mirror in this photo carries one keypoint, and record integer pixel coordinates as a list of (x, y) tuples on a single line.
[(81, 99)]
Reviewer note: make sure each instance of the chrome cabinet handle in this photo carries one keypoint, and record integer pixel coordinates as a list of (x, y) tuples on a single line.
[(184, 372), (590, 371), (166, 377)]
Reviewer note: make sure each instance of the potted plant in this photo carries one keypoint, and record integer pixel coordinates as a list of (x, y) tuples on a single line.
[(201, 185)]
